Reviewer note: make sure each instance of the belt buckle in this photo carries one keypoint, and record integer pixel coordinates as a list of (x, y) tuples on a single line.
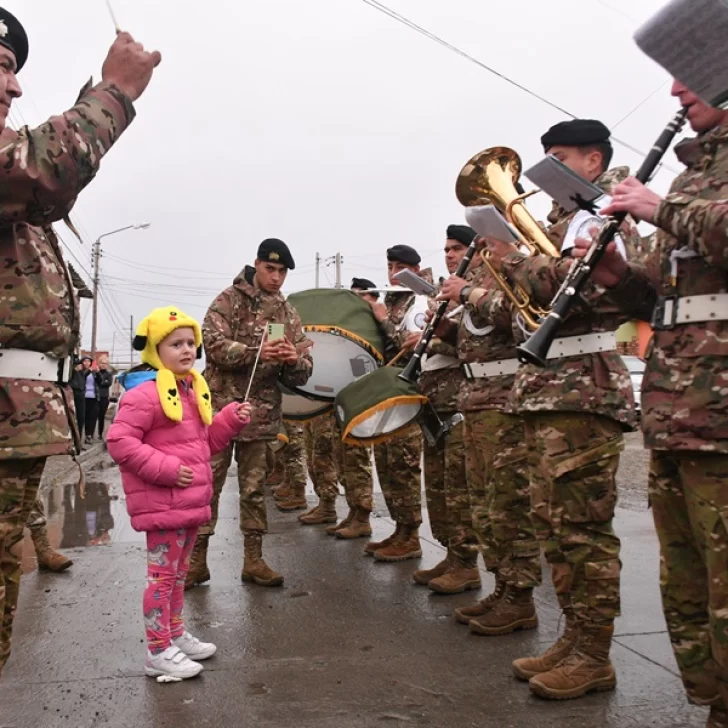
[(665, 305), (64, 370), (468, 372)]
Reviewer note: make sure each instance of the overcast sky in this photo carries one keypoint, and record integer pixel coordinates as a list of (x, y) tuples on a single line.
[(325, 123)]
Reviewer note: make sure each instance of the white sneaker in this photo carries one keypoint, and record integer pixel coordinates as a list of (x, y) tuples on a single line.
[(193, 648), (172, 662)]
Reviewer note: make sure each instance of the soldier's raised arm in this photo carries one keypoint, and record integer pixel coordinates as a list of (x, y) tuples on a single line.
[(42, 170)]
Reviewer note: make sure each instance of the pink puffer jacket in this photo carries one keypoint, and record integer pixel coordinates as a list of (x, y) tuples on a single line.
[(150, 448)]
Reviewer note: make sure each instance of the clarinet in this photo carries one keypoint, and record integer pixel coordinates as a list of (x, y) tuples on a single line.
[(412, 371), (536, 348)]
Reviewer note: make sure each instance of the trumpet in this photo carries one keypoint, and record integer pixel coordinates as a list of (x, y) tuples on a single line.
[(490, 177)]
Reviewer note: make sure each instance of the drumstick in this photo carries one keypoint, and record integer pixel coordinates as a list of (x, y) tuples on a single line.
[(113, 17), (398, 356), (255, 363)]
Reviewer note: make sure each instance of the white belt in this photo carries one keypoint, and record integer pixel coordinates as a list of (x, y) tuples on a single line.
[(582, 344), (24, 364), (438, 361), (484, 370), (691, 309)]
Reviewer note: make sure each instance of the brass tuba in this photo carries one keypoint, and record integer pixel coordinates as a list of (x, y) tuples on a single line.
[(490, 177)]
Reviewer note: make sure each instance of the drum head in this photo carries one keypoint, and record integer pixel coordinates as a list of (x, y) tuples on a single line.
[(297, 408), (377, 407)]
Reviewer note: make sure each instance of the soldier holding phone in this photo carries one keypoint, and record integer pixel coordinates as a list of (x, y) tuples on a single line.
[(250, 320)]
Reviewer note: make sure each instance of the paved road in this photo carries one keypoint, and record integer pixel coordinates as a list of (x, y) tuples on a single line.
[(346, 643)]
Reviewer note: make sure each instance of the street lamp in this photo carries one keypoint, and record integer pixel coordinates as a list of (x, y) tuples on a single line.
[(96, 255)]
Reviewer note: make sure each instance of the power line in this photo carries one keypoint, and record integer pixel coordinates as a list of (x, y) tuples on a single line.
[(437, 39)]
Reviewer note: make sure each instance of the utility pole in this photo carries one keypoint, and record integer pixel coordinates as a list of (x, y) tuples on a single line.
[(131, 342), (96, 255), (318, 263), (338, 270)]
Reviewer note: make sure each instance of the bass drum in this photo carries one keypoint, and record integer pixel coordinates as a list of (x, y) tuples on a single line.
[(347, 341), (378, 407), (297, 408)]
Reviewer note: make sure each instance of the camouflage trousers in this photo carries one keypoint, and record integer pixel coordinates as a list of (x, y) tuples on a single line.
[(690, 507), (400, 476), (36, 517), (355, 468), (323, 449), (498, 489), (252, 472), (446, 491), (19, 483), (573, 459), (294, 455)]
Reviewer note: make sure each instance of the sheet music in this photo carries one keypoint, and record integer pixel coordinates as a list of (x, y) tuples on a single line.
[(563, 185), (689, 39), (487, 221), (415, 283)]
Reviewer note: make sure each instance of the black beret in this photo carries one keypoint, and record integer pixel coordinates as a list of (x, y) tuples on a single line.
[(364, 284), (14, 38), (575, 133), (462, 233), (273, 250), (404, 254)]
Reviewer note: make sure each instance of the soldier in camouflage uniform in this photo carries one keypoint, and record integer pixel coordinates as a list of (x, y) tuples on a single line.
[(498, 475), (291, 495), (398, 459), (681, 287), (446, 488), (44, 170), (233, 329), (320, 436), (576, 409)]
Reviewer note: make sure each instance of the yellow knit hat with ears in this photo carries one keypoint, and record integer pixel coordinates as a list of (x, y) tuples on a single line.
[(151, 331)]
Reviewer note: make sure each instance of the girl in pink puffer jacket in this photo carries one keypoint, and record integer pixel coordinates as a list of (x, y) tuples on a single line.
[(162, 438)]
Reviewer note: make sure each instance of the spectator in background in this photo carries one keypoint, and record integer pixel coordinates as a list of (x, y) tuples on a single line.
[(104, 379), (91, 394), (78, 384)]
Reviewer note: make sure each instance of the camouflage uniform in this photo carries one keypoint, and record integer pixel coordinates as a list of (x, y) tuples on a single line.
[(291, 494), (446, 488), (576, 409), (323, 447), (685, 413), (44, 170), (496, 458), (232, 332)]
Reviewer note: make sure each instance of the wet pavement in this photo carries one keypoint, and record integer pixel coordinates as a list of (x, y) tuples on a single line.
[(347, 642)]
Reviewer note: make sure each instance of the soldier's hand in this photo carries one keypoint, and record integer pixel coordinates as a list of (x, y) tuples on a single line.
[(128, 66), (610, 269), (379, 310), (411, 340), (633, 197), (451, 288), (269, 351), (287, 352), (184, 476)]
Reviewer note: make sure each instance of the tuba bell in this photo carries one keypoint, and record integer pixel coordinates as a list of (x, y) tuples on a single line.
[(490, 177)]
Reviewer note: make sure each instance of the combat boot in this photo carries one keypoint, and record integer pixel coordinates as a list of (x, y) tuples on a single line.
[(331, 530), (465, 614), (48, 558), (324, 512), (526, 667), (254, 568), (515, 611), (282, 492), (461, 575), (718, 717), (296, 500), (198, 572), (586, 668), (403, 547), (425, 576), (374, 546), (359, 526)]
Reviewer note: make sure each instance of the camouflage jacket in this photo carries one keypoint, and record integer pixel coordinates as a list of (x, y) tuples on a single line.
[(398, 304), (441, 386), (685, 387), (42, 171), (485, 335), (594, 383), (232, 331)]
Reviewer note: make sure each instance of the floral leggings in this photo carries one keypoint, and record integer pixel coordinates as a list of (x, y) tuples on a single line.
[(168, 560)]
